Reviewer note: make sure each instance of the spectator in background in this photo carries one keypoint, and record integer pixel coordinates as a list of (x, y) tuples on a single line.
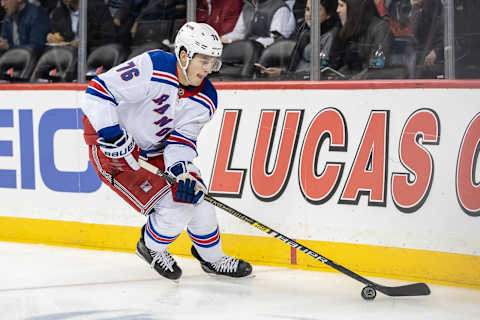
[(2, 15), (299, 12), (122, 12), (25, 26), (363, 32), (427, 25), (220, 14), (398, 13), (263, 21), (467, 39), (49, 5), (155, 22), (64, 25), (382, 7), (300, 57)]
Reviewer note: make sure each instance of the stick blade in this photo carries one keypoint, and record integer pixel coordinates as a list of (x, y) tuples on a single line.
[(415, 289)]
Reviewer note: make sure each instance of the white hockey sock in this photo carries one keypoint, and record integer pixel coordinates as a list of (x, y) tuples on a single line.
[(155, 239), (208, 245)]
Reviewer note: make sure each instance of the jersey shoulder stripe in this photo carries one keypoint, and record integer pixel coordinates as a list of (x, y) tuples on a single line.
[(165, 77), (164, 67), (98, 88), (207, 97)]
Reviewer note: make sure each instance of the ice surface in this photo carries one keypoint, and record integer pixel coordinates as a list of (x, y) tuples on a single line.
[(39, 282)]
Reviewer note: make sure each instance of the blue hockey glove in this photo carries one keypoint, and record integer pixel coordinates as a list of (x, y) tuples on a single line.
[(189, 187)]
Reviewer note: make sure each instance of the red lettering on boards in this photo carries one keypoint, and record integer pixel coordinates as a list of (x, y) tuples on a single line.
[(318, 187), (468, 190), (226, 181), (410, 190), (269, 184), (369, 169)]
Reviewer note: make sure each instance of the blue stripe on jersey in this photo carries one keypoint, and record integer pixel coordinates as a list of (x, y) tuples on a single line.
[(165, 81), (163, 61), (202, 103), (179, 139), (178, 134), (111, 132), (210, 91), (100, 95), (152, 152), (105, 86), (98, 88), (207, 97)]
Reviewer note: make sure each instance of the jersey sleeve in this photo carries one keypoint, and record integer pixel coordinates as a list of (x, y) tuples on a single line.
[(127, 82), (181, 144)]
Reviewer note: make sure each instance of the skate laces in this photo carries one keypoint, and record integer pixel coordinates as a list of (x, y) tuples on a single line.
[(164, 259), (226, 264)]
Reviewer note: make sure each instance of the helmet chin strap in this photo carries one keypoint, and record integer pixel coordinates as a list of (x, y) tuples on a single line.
[(184, 71)]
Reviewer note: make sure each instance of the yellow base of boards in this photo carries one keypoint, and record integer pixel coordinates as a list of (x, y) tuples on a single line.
[(376, 261)]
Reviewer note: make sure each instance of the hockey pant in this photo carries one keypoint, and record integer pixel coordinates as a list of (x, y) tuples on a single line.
[(150, 195)]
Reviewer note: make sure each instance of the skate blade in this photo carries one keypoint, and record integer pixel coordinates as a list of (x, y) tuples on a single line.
[(223, 277), (176, 281)]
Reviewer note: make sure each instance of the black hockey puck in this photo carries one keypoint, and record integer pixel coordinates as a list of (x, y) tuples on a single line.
[(368, 293)]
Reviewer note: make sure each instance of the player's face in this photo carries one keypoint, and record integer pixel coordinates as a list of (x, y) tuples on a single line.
[(199, 67)]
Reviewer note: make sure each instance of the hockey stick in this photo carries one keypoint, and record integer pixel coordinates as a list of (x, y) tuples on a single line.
[(415, 289)]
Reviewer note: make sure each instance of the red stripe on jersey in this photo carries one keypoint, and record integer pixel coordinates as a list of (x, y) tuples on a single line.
[(181, 140)]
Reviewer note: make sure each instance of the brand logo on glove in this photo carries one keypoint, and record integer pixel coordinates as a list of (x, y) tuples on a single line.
[(120, 153)]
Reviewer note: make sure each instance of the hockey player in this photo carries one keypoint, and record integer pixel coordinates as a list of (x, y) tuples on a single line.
[(155, 106)]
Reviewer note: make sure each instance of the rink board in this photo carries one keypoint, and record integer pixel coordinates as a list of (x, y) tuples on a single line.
[(380, 177)]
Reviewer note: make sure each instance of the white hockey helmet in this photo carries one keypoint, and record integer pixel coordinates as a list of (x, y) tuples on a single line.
[(198, 38)]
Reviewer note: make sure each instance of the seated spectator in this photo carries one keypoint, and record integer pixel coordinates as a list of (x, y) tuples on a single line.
[(155, 22), (300, 57), (427, 26), (64, 25), (467, 39), (122, 12), (398, 13), (25, 26), (220, 14), (299, 12), (264, 22), (363, 32)]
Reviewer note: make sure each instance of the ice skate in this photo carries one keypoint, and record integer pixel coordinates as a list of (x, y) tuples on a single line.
[(226, 266), (161, 261)]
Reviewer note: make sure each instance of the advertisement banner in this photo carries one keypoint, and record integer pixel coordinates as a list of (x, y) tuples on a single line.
[(395, 167)]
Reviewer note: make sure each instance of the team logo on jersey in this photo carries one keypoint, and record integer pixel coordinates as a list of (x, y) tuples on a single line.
[(146, 186)]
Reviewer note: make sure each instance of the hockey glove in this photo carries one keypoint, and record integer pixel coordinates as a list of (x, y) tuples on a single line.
[(122, 152), (189, 187)]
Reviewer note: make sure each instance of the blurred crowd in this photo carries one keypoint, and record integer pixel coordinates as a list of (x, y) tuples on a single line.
[(263, 39)]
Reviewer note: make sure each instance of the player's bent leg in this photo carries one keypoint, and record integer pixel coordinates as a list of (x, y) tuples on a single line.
[(207, 248)]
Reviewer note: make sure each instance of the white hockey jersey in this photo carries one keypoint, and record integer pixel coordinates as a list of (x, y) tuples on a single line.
[(144, 97)]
